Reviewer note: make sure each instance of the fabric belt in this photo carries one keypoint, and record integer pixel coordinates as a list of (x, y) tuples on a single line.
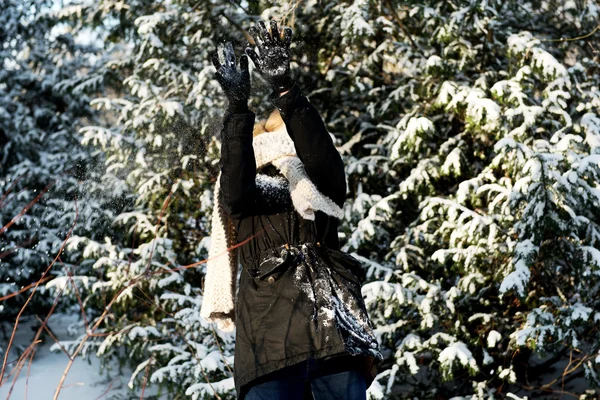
[(275, 259)]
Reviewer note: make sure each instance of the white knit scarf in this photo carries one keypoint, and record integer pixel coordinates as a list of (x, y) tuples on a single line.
[(220, 282)]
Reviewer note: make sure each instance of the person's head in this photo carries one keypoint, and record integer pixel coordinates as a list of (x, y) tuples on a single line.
[(273, 123)]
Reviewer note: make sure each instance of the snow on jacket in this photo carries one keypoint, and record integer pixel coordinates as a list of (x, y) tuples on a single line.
[(299, 295)]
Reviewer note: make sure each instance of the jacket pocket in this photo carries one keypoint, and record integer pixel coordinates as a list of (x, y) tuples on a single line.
[(272, 269), (271, 265)]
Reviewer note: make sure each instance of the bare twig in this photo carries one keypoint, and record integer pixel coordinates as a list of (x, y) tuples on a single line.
[(146, 376), (221, 351), (292, 10), (10, 189), (26, 208), (107, 389), (24, 289), (18, 368), (13, 249), (193, 265), (53, 337), (28, 373), (403, 28), (70, 276), (31, 347), (33, 292), (201, 369), (162, 212), (596, 29), (130, 256), (84, 340)]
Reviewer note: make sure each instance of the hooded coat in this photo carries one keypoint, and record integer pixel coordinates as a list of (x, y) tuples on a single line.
[(298, 295)]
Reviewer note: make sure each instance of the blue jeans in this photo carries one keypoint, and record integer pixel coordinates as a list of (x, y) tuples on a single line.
[(310, 380)]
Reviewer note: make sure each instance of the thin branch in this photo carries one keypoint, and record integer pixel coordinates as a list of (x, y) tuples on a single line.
[(33, 292), (146, 376), (28, 373), (53, 337), (26, 288), (31, 347), (10, 189), (26, 208), (18, 368), (162, 212), (70, 276), (107, 389), (221, 350), (403, 28), (13, 249), (596, 29)]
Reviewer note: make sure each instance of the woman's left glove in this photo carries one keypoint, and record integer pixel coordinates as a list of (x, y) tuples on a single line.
[(235, 83), (273, 60)]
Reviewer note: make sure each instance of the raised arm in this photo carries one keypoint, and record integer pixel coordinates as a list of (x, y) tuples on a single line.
[(314, 146), (238, 167), (237, 163), (313, 143)]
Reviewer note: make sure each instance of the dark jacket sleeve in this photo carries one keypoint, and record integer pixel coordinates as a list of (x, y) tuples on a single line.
[(237, 163), (314, 146)]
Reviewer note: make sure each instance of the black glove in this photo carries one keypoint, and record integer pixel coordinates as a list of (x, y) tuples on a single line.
[(273, 60), (235, 84)]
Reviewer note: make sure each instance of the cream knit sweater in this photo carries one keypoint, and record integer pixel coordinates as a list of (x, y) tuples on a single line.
[(276, 147)]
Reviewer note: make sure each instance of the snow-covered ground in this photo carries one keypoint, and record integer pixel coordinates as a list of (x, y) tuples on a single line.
[(84, 381)]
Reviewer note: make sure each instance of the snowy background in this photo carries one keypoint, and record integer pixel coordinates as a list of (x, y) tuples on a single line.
[(470, 131)]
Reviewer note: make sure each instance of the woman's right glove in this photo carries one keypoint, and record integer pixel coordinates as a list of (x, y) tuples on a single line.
[(273, 60), (235, 84)]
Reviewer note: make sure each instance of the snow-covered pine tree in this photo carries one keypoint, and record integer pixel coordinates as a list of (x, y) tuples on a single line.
[(45, 172), (470, 134), (489, 209), (161, 151)]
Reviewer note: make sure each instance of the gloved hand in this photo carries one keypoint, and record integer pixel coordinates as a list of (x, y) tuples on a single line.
[(273, 60), (235, 84)]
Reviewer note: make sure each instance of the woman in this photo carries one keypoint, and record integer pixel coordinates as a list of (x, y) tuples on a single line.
[(302, 329)]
